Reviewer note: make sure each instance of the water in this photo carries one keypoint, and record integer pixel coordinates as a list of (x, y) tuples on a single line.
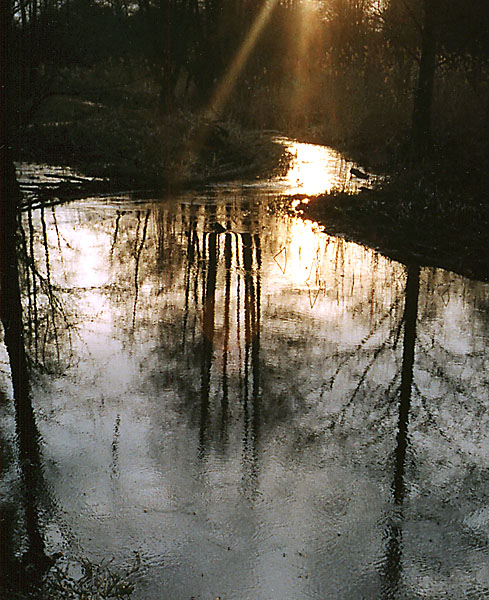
[(261, 410)]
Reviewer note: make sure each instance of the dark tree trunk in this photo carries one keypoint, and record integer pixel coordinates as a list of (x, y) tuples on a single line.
[(423, 96), (10, 306), (29, 571)]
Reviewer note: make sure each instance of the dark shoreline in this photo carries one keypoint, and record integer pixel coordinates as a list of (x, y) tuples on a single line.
[(430, 215), (421, 238)]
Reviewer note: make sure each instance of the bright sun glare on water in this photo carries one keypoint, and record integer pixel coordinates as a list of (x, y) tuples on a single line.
[(315, 169)]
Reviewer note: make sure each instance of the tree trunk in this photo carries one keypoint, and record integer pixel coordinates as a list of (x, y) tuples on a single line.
[(423, 97), (11, 319)]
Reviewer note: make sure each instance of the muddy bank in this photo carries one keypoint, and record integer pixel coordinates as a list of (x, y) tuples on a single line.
[(432, 226), (133, 151)]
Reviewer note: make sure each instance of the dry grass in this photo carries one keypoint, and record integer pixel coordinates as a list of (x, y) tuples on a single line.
[(437, 217)]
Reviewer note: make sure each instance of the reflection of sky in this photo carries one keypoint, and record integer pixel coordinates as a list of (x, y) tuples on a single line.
[(290, 497)]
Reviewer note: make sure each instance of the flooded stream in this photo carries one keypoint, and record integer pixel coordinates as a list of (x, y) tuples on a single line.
[(260, 410)]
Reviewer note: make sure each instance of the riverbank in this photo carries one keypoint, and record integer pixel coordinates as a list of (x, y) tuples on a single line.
[(122, 149), (434, 214)]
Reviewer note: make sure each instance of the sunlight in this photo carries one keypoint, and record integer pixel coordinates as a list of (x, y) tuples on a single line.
[(303, 55), (300, 257), (315, 169), (84, 266), (228, 81)]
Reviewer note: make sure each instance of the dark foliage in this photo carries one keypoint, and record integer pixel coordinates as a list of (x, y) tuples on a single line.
[(344, 72)]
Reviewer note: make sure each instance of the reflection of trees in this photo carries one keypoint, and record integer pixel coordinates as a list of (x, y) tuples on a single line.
[(410, 316), (48, 331), (192, 264), (437, 361), (222, 283), (216, 359), (452, 353), (34, 561), (155, 259), (138, 248), (215, 401), (225, 350), (392, 567), (201, 267), (207, 343), (201, 272), (252, 349), (32, 326)]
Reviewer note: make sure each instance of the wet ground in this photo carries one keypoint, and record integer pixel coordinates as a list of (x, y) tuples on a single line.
[(259, 409)]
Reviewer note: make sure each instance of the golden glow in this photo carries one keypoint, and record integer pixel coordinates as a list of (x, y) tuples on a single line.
[(301, 87), (229, 79), (324, 271), (299, 260), (315, 169)]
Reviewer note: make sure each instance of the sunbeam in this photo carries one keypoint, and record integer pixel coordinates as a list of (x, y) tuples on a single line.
[(225, 86), (303, 46), (229, 79)]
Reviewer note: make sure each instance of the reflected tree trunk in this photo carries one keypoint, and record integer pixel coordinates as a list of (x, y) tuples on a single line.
[(251, 410), (138, 249), (255, 351), (192, 255), (228, 255), (31, 266), (49, 290), (34, 561), (410, 317), (249, 310), (228, 263), (392, 572), (116, 233), (208, 337)]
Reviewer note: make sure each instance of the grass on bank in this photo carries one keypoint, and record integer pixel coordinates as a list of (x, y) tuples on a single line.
[(434, 213), (108, 122)]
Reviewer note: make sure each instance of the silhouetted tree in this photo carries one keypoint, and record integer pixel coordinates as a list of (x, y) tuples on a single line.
[(423, 96)]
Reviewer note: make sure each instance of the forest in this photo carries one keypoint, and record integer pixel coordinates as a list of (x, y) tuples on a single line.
[(158, 93), (202, 375), (122, 88)]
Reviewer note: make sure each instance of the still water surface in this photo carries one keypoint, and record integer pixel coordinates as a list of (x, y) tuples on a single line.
[(261, 410)]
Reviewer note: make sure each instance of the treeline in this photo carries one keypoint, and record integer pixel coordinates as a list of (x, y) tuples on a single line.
[(349, 71)]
